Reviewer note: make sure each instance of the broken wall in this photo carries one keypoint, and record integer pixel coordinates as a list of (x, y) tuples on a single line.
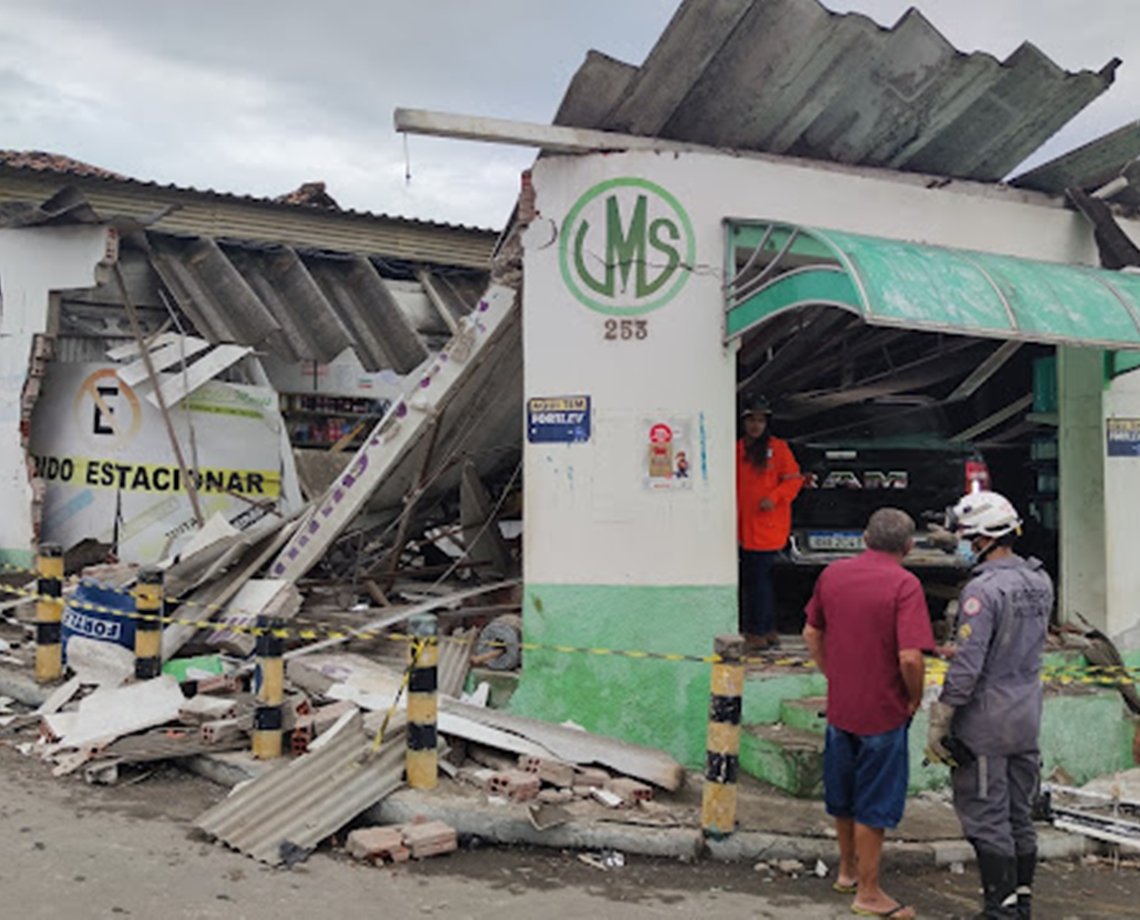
[(34, 263)]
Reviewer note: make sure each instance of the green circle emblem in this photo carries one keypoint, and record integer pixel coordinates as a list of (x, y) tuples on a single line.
[(626, 248)]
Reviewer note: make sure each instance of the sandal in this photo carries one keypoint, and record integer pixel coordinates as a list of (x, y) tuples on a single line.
[(844, 889), (894, 911)]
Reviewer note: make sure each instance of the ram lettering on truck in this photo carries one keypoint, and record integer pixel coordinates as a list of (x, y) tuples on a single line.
[(857, 479)]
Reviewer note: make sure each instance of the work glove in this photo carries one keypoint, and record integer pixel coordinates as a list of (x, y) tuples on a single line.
[(940, 716)]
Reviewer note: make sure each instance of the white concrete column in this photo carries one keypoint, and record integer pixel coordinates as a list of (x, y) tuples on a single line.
[(1081, 467), (1122, 521)]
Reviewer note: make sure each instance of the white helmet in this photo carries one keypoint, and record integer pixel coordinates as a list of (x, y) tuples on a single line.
[(984, 514)]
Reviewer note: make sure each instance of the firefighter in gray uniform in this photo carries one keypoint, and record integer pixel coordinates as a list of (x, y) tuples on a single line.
[(986, 722)]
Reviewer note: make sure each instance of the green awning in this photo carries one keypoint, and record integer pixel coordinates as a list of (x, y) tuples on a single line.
[(777, 267)]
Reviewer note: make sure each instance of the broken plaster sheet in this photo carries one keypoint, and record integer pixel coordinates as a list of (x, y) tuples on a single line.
[(178, 386), (376, 687), (162, 356), (99, 663), (108, 714), (132, 350)]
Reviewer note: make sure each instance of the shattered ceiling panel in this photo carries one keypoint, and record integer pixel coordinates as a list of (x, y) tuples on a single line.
[(791, 77)]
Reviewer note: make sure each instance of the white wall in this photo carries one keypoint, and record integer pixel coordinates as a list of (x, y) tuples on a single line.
[(590, 518), (1122, 520), (34, 262)]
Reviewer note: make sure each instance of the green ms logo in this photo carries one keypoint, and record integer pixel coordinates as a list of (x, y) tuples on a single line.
[(626, 247)]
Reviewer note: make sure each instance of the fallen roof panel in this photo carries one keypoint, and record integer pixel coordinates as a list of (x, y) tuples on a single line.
[(298, 804), (1089, 166)]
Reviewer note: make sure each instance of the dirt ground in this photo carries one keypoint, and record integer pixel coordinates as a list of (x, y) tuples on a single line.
[(73, 850)]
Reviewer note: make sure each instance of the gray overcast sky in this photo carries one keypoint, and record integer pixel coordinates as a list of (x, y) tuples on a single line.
[(257, 96)]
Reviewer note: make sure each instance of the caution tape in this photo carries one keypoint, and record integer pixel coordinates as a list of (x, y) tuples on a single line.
[(1065, 674)]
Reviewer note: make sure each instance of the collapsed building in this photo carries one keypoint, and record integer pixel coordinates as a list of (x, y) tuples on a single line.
[(261, 395)]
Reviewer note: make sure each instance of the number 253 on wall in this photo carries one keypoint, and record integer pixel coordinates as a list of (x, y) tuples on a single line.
[(625, 330)]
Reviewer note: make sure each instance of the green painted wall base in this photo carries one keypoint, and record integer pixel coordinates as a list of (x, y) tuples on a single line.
[(1086, 731), (663, 704), (788, 758)]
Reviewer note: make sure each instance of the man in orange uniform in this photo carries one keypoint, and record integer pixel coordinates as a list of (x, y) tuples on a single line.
[(767, 479)]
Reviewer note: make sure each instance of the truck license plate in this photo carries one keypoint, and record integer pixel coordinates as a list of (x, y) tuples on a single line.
[(843, 540)]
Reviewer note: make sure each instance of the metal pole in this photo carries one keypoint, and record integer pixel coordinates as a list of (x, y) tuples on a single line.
[(268, 718), (148, 624), (718, 799), (49, 613), (421, 762)]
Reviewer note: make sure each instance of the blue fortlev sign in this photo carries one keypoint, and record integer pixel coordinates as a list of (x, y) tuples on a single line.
[(558, 419)]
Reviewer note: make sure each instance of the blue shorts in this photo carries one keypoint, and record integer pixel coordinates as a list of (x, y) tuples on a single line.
[(865, 776)]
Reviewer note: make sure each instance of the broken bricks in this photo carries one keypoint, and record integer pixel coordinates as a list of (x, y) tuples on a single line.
[(377, 844), (397, 842), (552, 772), (630, 790), (516, 785)]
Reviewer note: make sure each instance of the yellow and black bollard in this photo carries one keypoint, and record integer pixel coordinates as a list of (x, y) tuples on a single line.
[(49, 613), (421, 762), (269, 716), (148, 624), (718, 800)]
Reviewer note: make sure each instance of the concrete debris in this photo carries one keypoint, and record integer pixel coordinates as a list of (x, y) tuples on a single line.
[(200, 709), (790, 866), (544, 815), (607, 798)]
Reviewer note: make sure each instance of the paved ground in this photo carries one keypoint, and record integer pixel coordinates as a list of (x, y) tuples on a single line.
[(71, 850)]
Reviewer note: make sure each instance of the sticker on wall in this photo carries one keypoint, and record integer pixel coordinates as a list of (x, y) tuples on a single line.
[(1124, 437), (558, 419), (668, 454)]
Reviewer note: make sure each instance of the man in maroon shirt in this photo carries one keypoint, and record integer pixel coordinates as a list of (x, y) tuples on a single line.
[(867, 628)]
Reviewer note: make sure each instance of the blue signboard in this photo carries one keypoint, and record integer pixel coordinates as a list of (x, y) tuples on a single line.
[(558, 419), (1124, 437)]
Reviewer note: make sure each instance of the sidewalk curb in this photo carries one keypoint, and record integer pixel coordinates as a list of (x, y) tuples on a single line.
[(509, 824)]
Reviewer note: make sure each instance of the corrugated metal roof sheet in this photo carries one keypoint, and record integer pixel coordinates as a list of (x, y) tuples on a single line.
[(220, 215), (791, 77), (298, 804), (298, 305), (1090, 166)]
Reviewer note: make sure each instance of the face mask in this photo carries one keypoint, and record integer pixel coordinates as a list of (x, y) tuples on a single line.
[(966, 552)]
